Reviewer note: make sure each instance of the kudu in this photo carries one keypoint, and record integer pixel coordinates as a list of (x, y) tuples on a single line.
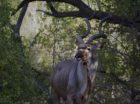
[(73, 79)]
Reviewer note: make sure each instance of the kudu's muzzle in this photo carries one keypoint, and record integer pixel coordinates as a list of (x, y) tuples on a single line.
[(79, 55), (82, 55)]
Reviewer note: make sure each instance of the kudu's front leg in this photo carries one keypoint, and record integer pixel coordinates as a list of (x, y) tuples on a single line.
[(70, 99)]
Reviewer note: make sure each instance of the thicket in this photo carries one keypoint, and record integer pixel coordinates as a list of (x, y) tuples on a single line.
[(25, 65)]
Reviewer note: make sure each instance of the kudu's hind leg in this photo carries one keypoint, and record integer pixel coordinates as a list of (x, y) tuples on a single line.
[(73, 100)]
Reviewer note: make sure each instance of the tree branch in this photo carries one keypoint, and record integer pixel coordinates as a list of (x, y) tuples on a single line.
[(86, 11), (50, 5), (55, 13), (63, 14), (19, 21)]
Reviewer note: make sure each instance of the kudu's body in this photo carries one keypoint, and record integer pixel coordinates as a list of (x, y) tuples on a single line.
[(73, 79)]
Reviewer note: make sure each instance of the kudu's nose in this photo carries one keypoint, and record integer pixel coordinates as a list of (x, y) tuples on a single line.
[(85, 56), (82, 54)]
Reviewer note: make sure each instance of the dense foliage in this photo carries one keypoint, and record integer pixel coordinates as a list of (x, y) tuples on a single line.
[(26, 64)]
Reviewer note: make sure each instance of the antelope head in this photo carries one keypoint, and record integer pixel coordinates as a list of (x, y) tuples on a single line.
[(87, 50)]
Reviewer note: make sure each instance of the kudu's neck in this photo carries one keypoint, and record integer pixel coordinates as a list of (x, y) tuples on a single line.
[(92, 67), (86, 74)]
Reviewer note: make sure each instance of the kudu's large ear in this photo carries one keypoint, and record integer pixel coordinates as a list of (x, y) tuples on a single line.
[(97, 46)]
